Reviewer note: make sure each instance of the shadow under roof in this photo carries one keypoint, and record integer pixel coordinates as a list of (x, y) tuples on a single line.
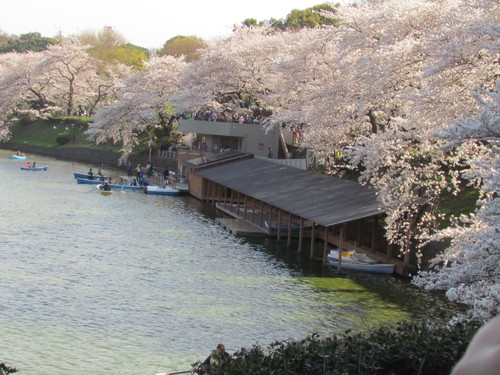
[(322, 199)]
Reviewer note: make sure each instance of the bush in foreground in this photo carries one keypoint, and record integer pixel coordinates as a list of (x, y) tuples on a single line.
[(409, 348)]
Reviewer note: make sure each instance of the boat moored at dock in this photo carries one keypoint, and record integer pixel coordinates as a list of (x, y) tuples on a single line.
[(359, 262), (158, 190)]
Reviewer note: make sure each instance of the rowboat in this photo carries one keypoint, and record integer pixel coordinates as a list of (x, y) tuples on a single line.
[(34, 169), (359, 262), (18, 157), (102, 191), (87, 181), (158, 190), (125, 187), (86, 176), (113, 186)]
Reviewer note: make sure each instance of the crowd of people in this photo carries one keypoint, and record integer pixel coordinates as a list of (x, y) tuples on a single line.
[(225, 116)]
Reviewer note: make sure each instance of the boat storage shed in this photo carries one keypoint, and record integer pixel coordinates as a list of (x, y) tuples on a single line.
[(322, 199)]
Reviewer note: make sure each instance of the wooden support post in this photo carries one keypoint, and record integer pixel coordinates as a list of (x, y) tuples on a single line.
[(231, 199), (358, 234), (301, 233), (261, 213), (278, 225), (270, 214), (253, 210), (245, 206), (374, 243), (341, 240), (289, 239), (311, 253), (325, 246), (238, 204)]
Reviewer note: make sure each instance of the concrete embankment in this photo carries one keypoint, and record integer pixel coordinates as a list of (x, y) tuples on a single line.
[(94, 156)]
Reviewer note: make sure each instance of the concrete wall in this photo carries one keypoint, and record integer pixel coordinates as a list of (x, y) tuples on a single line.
[(98, 157), (251, 138)]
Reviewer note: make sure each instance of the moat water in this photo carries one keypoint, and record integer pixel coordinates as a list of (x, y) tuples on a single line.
[(133, 283)]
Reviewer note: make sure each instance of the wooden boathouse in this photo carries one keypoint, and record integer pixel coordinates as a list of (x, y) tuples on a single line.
[(288, 202)]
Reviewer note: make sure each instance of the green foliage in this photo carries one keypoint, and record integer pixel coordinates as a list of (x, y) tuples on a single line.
[(43, 133), (110, 47), (26, 42), (63, 138), (307, 18), (252, 22), (409, 348), (187, 46)]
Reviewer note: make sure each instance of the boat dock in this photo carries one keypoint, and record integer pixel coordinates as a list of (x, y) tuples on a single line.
[(240, 227)]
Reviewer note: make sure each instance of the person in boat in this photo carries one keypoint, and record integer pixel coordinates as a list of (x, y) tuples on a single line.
[(100, 175), (134, 182), (106, 187), (217, 355), (90, 174), (166, 173), (27, 165), (111, 181), (34, 165)]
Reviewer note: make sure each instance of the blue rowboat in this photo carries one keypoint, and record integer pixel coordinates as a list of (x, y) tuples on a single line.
[(34, 169), (85, 175), (157, 190), (113, 186), (125, 187), (18, 157), (87, 181)]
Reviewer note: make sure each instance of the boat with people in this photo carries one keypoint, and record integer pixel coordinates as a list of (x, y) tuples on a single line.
[(18, 157), (124, 186), (159, 190), (25, 168), (86, 175), (358, 262), (104, 189)]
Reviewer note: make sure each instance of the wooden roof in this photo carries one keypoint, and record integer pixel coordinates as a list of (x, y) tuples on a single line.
[(214, 159), (322, 199)]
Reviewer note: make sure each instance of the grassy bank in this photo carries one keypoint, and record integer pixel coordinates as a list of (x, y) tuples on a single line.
[(46, 133)]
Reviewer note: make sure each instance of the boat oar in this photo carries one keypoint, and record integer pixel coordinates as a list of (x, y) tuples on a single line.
[(91, 190)]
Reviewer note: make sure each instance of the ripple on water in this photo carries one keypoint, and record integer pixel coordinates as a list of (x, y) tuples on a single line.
[(107, 285)]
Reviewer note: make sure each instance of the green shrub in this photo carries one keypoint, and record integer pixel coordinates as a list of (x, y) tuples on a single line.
[(63, 138), (409, 348)]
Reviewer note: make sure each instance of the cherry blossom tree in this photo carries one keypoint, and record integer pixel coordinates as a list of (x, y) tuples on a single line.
[(468, 269), (236, 73), (79, 79), (61, 78), (23, 90), (142, 103)]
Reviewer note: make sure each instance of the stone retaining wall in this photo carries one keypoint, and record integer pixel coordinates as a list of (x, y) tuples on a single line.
[(99, 158)]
